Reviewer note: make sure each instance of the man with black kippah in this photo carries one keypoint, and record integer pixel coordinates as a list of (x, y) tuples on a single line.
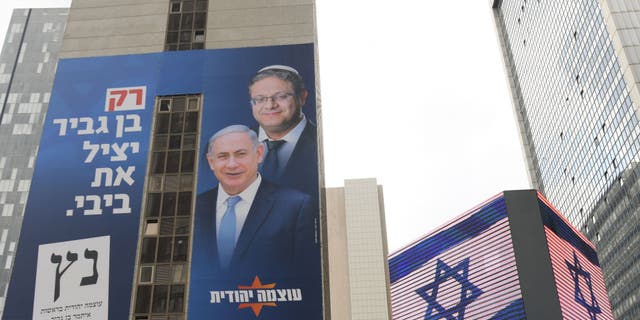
[(277, 96)]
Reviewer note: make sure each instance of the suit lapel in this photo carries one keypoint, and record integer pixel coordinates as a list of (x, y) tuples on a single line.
[(258, 213), (306, 140)]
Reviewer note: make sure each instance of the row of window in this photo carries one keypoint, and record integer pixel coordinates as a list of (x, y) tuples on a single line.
[(162, 270), (186, 25)]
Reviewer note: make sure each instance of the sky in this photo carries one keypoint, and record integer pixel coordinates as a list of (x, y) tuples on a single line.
[(414, 95)]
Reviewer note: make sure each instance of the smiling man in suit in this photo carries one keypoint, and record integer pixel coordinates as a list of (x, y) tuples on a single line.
[(277, 95), (247, 224)]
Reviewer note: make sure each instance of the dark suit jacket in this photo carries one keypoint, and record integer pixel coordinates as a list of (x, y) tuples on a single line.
[(301, 172), (278, 236)]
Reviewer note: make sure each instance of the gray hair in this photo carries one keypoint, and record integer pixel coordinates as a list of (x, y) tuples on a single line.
[(236, 128), (283, 74)]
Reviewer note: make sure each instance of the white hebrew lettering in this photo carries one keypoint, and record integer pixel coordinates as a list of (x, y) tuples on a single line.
[(96, 205), (108, 177), (126, 176), (124, 208), (62, 131), (121, 128), (86, 145), (88, 128), (215, 296)]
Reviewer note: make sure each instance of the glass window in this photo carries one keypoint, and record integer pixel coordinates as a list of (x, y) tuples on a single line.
[(162, 123), (173, 161), (146, 274), (148, 252), (184, 203), (174, 22), (176, 298), (175, 7), (175, 141), (181, 246), (191, 122), (164, 249), (160, 299), (177, 122), (188, 160), (153, 204), (168, 204), (157, 162), (143, 299)]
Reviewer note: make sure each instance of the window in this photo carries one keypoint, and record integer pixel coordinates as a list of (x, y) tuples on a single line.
[(146, 274), (175, 7)]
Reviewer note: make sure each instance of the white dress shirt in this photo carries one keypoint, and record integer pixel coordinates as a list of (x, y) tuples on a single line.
[(242, 207)]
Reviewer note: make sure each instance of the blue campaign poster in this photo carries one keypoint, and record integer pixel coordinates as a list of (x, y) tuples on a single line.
[(82, 224)]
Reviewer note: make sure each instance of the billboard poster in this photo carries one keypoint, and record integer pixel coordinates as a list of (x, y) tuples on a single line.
[(78, 249), (576, 268), (464, 270)]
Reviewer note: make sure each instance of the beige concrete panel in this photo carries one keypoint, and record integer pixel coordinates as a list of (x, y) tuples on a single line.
[(257, 42), (75, 4), (115, 26), (260, 16), (115, 42), (338, 256), (245, 4), (97, 27), (255, 33), (109, 52), (111, 12)]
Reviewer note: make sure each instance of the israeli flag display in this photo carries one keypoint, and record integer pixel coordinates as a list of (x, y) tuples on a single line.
[(464, 270)]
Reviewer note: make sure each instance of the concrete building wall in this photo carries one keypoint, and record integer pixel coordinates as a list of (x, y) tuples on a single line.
[(250, 23), (338, 255), (358, 251), (102, 28)]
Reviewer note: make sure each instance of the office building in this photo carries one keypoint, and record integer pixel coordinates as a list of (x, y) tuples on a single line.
[(141, 82), (512, 257), (573, 71), (358, 271), (27, 66)]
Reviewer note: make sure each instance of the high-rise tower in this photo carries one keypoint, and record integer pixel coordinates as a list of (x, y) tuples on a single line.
[(573, 71), (27, 68)]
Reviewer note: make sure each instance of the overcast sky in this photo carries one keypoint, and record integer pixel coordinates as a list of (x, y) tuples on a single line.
[(414, 95)]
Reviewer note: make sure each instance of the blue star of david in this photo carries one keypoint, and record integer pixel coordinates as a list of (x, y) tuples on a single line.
[(576, 270), (468, 292)]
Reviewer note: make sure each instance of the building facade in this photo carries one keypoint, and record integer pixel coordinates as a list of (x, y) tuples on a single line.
[(511, 257), (105, 37), (358, 270), (27, 68), (572, 69)]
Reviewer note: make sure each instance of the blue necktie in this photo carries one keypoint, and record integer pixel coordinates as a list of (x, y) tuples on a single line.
[(271, 167), (227, 232)]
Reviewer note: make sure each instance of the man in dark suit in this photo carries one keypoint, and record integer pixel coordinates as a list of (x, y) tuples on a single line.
[(277, 96), (247, 224)]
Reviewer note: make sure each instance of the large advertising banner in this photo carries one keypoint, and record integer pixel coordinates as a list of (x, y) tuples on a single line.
[(255, 251)]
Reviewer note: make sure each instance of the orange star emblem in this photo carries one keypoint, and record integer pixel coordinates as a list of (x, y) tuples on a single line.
[(257, 306)]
